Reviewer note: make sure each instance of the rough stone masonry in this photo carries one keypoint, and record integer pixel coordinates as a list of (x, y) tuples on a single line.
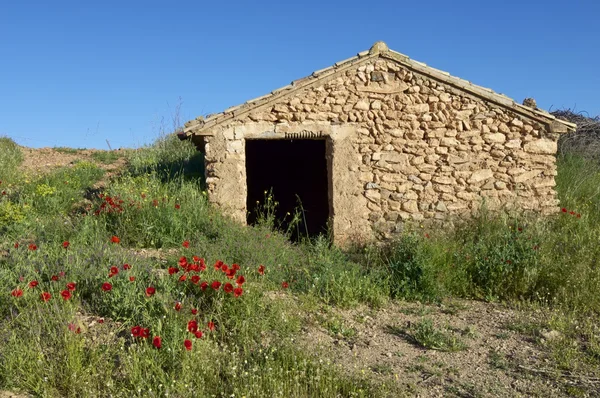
[(405, 142)]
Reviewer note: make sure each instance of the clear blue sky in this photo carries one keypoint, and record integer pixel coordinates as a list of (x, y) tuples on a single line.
[(75, 73)]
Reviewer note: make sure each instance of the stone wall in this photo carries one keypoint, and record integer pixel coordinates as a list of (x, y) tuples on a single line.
[(412, 148)]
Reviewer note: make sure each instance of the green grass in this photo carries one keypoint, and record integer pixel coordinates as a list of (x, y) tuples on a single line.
[(158, 202), (155, 205), (106, 157), (67, 150), (10, 159)]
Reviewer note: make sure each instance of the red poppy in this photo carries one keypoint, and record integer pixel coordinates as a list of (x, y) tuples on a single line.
[(195, 279), (66, 244), (45, 296), (136, 331), (237, 292), (224, 268), (115, 239), (32, 247), (196, 259), (216, 285), (572, 213), (198, 334), (150, 291), (61, 273), (186, 244), (192, 326), (106, 286), (54, 278), (177, 306), (285, 285), (204, 285), (427, 236), (157, 342), (187, 344), (16, 245), (145, 333), (211, 326), (563, 210), (240, 280), (183, 262), (194, 311), (520, 229), (578, 215), (228, 287), (261, 269), (16, 292), (183, 278), (230, 273), (126, 266), (173, 270), (33, 284), (177, 206), (235, 267), (100, 320), (71, 286), (66, 294), (218, 265), (131, 278), (113, 271)]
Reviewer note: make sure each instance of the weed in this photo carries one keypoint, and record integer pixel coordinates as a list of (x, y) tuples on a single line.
[(67, 150), (382, 368), (106, 157), (497, 360), (11, 157), (425, 334)]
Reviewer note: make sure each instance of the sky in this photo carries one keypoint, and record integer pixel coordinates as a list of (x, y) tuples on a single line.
[(79, 74)]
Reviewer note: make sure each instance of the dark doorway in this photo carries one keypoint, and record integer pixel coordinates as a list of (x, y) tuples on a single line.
[(295, 171)]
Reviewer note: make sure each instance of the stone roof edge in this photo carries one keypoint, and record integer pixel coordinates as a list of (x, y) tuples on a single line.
[(199, 125), (483, 92)]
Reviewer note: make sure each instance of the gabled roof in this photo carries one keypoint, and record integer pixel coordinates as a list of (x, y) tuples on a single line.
[(202, 126)]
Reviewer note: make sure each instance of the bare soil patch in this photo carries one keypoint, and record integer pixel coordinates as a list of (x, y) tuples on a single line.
[(9, 394), (43, 160), (499, 358)]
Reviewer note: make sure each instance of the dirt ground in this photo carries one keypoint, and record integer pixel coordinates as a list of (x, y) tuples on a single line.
[(38, 161), (497, 359)]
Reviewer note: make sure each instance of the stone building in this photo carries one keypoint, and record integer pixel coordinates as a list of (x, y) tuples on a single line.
[(375, 141)]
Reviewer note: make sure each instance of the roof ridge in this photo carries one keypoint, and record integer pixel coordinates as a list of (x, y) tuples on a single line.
[(379, 49)]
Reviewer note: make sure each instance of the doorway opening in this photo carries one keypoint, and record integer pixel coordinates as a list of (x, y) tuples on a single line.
[(294, 172)]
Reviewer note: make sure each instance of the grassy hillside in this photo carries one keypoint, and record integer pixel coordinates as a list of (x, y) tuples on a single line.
[(83, 265)]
